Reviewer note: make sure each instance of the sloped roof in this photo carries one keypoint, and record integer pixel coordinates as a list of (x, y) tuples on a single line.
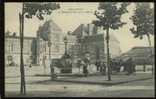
[(54, 26), (78, 30), (142, 52)]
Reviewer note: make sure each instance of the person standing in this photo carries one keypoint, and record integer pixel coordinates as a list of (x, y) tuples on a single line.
[(129, 66), (97, 65), (79, 64), (103, 65), (52, 70), (133, 67), (44, 63), (29, 61), (85, 67)]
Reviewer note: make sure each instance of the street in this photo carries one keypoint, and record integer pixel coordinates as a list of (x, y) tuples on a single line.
[(144, 88)]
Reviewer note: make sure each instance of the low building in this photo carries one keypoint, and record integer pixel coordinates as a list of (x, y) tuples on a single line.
[(140, 55)]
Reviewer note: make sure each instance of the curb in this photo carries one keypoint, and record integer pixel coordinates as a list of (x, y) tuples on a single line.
[(102, 83), (74, 75)]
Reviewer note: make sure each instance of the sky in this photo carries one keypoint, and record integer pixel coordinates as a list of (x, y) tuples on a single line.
[(69, 17)]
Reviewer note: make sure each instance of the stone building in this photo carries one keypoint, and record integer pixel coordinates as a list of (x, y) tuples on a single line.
[(85, 38), (92, 39), (12, 49), (57, 44), (36, 47)]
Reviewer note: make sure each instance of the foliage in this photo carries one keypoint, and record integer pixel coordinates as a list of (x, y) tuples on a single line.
[(39, 9), (143, 19), (109, 15)]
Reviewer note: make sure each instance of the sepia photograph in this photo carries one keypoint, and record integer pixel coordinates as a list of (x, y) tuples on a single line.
[(79, 49)]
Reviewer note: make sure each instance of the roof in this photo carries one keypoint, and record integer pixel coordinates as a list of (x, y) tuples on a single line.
[(78, 30), (54, 26), (142, 52)]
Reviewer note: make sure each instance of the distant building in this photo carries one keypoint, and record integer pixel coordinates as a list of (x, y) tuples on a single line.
[(35, 47), (140, 55), (73, 47), (85, 38), (57, 45), (12, 48), (92, 40)]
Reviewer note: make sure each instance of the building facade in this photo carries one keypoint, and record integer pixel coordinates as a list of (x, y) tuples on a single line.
[(85, 38), (35, 48), (57, 44), (12, 49), (92, 39)]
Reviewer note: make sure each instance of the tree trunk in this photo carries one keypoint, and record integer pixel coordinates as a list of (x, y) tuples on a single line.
[(108, 60), (148, 36), (23, 88)]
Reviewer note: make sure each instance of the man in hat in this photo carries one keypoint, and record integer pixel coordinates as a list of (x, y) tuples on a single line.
[(97, 64), (86, 61)]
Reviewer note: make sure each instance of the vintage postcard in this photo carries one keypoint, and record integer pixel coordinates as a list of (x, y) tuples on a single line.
[(79, 49)]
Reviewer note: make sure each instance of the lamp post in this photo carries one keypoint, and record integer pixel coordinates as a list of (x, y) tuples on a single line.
[(65, 42), (65, 54)]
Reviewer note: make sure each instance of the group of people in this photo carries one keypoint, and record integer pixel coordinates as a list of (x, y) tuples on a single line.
[(100, 66), (85, 63), (128, 65)]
